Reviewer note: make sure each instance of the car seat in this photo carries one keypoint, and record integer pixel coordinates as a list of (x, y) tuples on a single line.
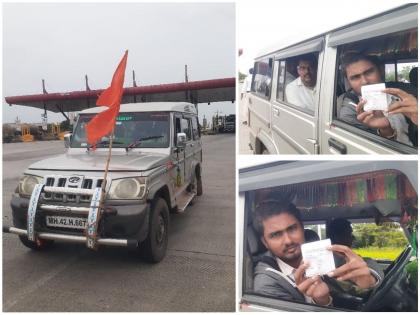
[(310, 236)]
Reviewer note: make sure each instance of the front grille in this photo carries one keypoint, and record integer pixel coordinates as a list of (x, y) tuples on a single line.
[(71, 181)]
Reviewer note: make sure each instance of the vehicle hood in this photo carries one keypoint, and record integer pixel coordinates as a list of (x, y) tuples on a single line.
[(96, 161)]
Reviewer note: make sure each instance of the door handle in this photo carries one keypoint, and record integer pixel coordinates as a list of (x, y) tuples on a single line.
[(276, 112), (337, 145)]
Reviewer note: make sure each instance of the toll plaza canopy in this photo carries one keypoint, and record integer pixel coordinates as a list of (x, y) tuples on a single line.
[(206, 91)]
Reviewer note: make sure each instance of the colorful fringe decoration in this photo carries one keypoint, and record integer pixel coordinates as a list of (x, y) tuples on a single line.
[(344, 191)]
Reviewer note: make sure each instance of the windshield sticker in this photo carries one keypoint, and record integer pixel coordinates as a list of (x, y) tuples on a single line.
[(124, 118)]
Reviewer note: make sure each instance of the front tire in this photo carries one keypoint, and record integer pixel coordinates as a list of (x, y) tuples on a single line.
[(153, 248), (196, 185), (199, 184)]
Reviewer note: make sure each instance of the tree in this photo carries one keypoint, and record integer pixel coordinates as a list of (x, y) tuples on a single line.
[(8, 133), (385, 235), (403, 74), (241, 77), (65, 125)]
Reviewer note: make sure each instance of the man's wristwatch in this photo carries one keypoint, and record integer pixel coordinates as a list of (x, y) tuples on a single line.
[(391, 137), (330, 300)]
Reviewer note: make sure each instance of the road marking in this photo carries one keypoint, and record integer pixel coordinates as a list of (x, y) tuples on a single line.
[(198, 252)]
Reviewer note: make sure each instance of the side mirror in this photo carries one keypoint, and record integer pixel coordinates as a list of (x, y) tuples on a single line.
[(67, 140), (181, 140)]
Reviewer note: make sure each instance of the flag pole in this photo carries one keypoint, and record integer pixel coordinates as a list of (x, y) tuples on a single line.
[(92, 241), (111, 137), (101, 125), (95, 216)]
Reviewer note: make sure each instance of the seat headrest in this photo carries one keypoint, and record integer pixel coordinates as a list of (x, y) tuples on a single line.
[(255, 245)]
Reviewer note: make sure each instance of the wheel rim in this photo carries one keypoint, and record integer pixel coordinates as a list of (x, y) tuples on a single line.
[(161, 230)]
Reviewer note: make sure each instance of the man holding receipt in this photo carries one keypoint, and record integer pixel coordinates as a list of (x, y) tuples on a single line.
[(362, 71), (280, 272)]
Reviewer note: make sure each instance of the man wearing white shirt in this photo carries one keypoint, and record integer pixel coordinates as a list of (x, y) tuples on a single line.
[(301, 91), (246, 88)]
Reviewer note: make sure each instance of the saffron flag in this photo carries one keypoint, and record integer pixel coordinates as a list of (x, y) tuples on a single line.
[(104, 122)]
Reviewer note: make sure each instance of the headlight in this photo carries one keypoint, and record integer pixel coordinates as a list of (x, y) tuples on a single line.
[(128, 188), (27, 184)]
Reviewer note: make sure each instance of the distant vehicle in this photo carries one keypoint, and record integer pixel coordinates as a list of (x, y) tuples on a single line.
[(223, 123), (230, 122), (359, 191), (155, 168), (277, 126)]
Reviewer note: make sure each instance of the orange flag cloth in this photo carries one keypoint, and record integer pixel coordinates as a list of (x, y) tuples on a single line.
[(104, 122)]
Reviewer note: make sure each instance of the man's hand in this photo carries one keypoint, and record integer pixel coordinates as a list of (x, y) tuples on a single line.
[(407, 105), (355, 268), (374, 119), (313, 287)]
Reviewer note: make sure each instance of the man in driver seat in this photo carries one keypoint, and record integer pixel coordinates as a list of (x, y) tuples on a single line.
[(280, 271)]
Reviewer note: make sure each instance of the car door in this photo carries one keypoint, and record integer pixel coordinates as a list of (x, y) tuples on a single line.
[(197, 141), (259, 101), (178, 156), (190, 147), (294, 122), (372, 37)]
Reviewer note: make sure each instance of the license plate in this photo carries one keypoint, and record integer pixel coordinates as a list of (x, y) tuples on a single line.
[(66, 222)]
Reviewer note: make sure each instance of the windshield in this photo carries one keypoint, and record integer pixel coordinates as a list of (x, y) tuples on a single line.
[(143, 130)]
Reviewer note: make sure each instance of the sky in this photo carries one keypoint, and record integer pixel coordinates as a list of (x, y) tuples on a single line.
[(265, 23), (62, 42)]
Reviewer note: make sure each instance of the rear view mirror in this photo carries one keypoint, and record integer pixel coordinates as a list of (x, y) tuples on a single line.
[(67, 140), (181, 139)]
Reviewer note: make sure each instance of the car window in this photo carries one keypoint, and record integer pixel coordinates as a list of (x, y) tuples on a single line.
[(281, 66), (196, 129), (296, 82), (391, 59), (145, 129), (186, 127), (261, 80), (366, 203)]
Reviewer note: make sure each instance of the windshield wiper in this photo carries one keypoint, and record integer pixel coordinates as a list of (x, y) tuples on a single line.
[(135, 143), (103, 143)]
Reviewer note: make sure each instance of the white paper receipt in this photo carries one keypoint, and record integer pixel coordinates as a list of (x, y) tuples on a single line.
[(320, 259), (376, 99)]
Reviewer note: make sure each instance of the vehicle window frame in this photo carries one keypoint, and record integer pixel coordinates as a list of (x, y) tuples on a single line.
[(286, 305), (375, 138), (395, 63), (196, 129), (254, 298), (176, 117), (116, 135), (291, 105), (253, 91), (190, 134), (249, 294), (278, 64)]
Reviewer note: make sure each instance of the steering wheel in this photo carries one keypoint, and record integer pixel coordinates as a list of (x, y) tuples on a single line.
[(378, 299)]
